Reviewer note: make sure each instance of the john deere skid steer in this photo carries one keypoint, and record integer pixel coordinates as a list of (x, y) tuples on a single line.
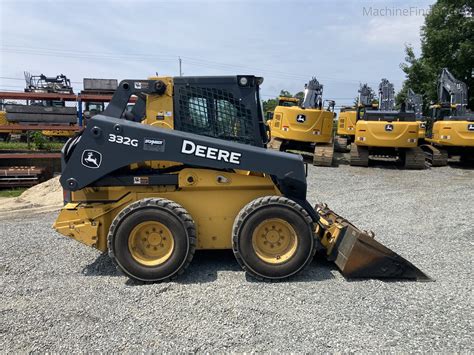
[(187, 169)]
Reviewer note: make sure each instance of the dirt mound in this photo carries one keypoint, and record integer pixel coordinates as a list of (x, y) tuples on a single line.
[(42, 197)]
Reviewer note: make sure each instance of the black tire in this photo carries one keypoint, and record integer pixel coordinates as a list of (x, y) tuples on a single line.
[(161, 210), (251, 216)]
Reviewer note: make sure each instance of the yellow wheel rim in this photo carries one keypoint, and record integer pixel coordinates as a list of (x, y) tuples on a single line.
[(274, 241), (151, 243)]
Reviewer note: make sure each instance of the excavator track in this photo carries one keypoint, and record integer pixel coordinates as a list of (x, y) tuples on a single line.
[(359, 155), (467, 158), (323, 154), (414, 158), (435, 156), (340, 145)]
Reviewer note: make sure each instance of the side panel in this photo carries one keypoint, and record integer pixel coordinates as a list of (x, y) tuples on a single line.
[(303, 125), (214, 216), (5, 122), (387, 134), (347, 123), (453, 133), (421, 129), (159, 108)]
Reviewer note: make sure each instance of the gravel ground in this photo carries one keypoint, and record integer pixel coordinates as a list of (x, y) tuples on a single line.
[(57, 295)]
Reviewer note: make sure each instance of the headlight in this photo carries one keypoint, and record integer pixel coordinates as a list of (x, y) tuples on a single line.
[(243, 81)]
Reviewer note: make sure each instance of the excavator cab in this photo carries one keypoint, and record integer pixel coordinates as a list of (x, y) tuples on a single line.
[(288, 101), (186, 170)]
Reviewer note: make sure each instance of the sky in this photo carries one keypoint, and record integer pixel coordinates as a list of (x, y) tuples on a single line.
[(341, 43)]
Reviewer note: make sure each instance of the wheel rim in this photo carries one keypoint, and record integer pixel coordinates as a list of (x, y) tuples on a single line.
[(151, 243), (274, 241)]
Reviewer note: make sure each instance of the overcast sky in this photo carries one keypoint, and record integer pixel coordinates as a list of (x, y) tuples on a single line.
[(342, 43)]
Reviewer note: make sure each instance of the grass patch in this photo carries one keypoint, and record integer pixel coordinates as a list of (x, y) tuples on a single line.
[(12, 192), (24, 146)]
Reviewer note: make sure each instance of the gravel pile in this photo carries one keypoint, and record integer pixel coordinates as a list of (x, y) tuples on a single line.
[(44, 197), (58, 295)]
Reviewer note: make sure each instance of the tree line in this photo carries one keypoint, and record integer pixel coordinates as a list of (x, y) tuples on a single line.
[(447, 41)]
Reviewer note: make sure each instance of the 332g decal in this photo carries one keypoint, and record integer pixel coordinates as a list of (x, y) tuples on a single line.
[(114, 138)]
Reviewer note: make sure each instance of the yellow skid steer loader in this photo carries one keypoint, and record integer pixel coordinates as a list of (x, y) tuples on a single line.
[(187, 169)]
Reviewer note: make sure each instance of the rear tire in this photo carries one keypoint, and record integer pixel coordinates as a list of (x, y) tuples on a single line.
[(153, 239), (272, 238)]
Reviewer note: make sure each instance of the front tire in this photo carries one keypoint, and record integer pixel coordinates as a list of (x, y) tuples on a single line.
[(273, 238), (153, 239)]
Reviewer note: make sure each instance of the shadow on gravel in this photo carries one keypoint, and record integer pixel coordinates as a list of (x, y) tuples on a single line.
[(102, 266), (317, 270), (207, 264), (461, 165)]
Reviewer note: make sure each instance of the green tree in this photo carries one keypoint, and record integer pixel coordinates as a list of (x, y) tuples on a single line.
[(300, 96), (447, 40), (270, 104), (284, 93)]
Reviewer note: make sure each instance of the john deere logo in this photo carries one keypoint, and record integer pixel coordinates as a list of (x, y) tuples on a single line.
[(470, 127), (300, 118), (91, 159), (389, 127)]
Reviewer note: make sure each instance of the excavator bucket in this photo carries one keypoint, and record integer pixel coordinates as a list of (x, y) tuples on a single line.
[(357, 254)]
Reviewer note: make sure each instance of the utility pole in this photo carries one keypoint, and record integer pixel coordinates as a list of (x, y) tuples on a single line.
[(180, 71)]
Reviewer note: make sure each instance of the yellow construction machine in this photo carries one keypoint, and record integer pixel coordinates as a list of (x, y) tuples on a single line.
[(450, 130), (305, 129), (188, 170), (43, 112), (5, 133), (386, 133), (346, 123)]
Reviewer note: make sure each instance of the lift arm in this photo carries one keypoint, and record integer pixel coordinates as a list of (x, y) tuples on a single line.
[(108, 144)]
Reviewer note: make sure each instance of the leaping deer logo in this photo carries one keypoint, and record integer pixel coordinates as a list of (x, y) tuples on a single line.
[(91, 159)]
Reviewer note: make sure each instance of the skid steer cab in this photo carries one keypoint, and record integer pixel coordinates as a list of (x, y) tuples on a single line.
[(187, 169)]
